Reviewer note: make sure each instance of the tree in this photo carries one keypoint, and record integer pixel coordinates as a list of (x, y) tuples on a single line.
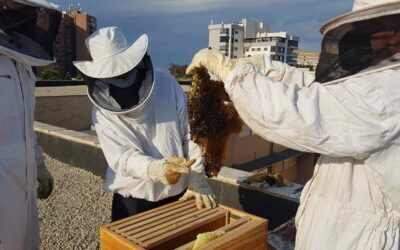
[(178, 71), (67, 76), (78, 76), (51, 74)]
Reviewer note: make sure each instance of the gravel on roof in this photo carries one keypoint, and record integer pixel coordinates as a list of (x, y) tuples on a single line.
[(71, 217)]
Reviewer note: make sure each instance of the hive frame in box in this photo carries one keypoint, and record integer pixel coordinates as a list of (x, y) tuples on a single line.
[(176, 225)]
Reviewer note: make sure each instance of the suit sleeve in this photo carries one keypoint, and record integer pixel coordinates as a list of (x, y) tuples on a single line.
[(282, 72), (124, 157), (331, 120)]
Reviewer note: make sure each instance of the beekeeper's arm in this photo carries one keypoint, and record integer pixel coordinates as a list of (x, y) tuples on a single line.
[(127, 158), (221, 66), (198, 183), (313, 119), (329, 120), (44, 178), (281, 72)]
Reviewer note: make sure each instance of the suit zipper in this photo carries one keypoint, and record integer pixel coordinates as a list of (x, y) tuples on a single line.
[(26, 149)]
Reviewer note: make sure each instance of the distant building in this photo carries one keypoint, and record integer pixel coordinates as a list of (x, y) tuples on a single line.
[(69, 45), (63, 46), (227, 38), (253, 28), (307, 58), (248, 37), (279, 46), (84, 26)]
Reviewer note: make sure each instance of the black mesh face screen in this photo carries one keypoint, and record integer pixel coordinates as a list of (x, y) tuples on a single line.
[(114, 99), (128, 97), (347, 49), (26, 25)]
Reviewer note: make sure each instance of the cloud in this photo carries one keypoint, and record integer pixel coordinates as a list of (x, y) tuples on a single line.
[(178, 28), (165, 7)]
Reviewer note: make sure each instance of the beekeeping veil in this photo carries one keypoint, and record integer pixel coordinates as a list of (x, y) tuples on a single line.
[(346, 47), (28, 29), (120, 78)]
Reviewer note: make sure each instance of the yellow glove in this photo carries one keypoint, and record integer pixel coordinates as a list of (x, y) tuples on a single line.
[(218, 64), (169, 170)]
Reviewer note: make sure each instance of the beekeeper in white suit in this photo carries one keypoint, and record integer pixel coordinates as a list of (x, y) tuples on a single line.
[(140, 116), (350, 114), (23, 44)]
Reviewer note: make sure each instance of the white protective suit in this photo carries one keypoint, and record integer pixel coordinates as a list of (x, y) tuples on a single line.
[(353, 198), (155, 130), (19, 154)]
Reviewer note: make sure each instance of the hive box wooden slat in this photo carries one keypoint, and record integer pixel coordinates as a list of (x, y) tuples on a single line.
[(176, 225)]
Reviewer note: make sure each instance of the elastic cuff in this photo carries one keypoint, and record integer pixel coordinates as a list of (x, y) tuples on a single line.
[(156, 170)]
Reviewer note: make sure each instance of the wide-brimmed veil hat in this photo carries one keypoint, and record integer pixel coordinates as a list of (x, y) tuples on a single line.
[(120, 77), (347, 47), (111, 54), (32, 49), (363, 10), (39, 3)]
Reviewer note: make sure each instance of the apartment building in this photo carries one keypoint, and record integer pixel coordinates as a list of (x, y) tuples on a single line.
[(84, 25), (279, 46), (227, 38), (248, 37), (69, 45), (307, 58)]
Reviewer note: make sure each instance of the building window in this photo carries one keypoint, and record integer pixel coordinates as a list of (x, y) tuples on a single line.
[(247, 49), (253, 49), (234, 57), (236, 32), (258, 49), (236, 40), (235, 48), (265, 49), (224, 32), (273, 49), (224, 39), (293, 43)]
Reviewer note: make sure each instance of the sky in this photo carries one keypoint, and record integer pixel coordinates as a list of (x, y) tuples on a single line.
[(177, 29)]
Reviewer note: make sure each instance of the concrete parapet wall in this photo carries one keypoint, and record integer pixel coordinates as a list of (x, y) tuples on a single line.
[(83, 150), (67, 107), (72, 147)]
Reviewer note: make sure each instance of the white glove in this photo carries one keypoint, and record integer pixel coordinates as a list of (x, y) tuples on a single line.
[(218, 64), (45, 181), (199, 188), (169, 170)]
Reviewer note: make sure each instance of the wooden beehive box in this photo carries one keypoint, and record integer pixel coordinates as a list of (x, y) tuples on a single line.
[(176, 225)]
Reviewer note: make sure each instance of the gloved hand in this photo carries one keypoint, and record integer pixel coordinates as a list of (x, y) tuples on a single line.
[(45, 181), (169, 170), (218, 64), (199, 188)]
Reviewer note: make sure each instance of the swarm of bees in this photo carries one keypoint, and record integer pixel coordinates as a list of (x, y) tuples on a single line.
[(212, 119)]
